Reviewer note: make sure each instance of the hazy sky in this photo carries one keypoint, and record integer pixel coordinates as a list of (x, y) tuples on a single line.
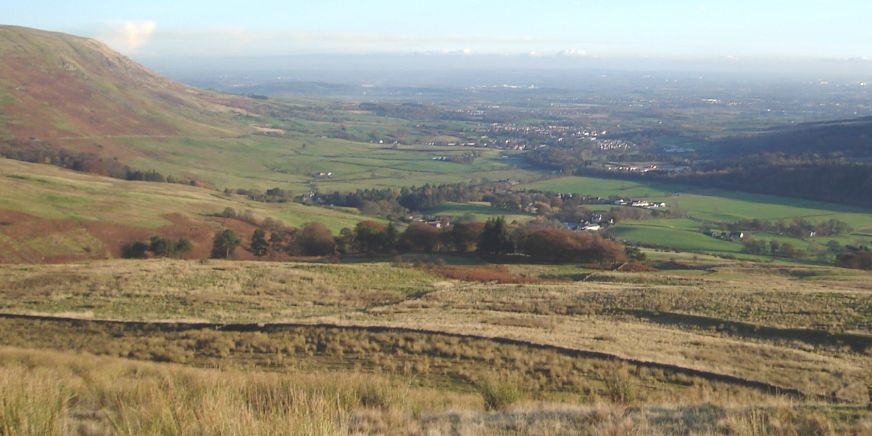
[(596, 28)]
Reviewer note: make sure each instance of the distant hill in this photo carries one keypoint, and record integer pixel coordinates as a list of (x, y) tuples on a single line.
[(827, 161), (63, 91), (841, 138)]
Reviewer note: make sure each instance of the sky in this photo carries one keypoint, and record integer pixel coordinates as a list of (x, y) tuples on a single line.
[(729, 29)]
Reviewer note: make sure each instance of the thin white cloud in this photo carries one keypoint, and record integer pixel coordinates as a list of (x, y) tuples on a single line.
[(573, 53), (128, 36), (239, 41)]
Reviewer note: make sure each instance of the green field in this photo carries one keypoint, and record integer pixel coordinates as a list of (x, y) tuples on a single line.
[(49, 192), (605, 187), (479, 210), (357, 147), (703, 206), (671, 234), (291, 163)]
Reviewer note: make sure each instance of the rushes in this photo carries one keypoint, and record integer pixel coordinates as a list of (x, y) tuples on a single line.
[(46, 393), (31, 402), (498, 393), (51, 393), (619, 385)]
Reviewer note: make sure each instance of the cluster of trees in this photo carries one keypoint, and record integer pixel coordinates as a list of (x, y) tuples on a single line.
[(84, 162), (410, 111), (560, 245), (370, 237), (570, 208), (494, 237), (430, 196), (527, 201), (799, 227), (841, 181), (772, 248), (245, 216), (158, 247), (272, 195), (545, 242), (541, 242), (855, 257), (369, 201), (413, 198), (465, 157), (224, 244), (273, 238), (837, 176), (566, 160), (392, 202)]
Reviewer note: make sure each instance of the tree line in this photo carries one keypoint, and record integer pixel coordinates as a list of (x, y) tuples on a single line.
[(156, 247), (798, 227), (397, 203), (85, 162), (495, 238), (856, 257), (272, 195), (837, 178), (772, 247), (414, 198)]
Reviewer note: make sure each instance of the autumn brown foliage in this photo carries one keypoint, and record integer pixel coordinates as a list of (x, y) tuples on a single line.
[(561, 245)]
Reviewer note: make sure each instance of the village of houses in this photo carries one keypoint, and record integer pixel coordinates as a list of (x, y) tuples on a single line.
[(594, 222)]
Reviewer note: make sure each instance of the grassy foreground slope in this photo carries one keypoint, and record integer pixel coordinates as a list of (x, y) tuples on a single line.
[(716, 315), (686, 348), (67, 393), (48, 214)]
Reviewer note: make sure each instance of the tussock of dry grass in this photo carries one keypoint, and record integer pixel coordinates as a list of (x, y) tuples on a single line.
[(502, 373), (44, 393), (216, 291), (625, 314), (595, 314), (51, 393)]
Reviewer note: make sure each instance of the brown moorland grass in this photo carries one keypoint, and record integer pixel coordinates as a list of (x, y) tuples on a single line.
[(434, 360), (214, 290), (625, 314), (479, 273), (49, 393), (53, 393)]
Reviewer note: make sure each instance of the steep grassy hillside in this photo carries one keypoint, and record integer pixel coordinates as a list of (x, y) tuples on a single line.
[(76, 92), (48, 214), (72, 101)]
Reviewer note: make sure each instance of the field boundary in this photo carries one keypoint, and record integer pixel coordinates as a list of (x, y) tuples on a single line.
[(175, 326)]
